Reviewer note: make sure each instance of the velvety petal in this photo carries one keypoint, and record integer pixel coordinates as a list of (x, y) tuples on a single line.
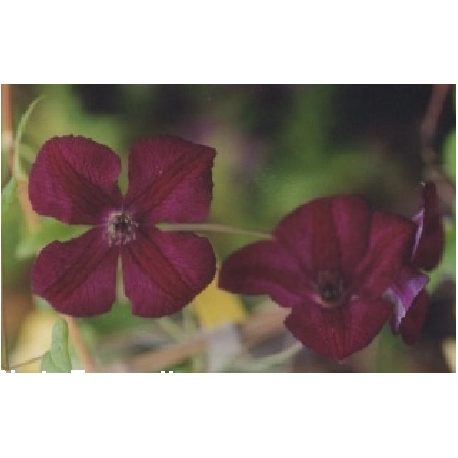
[(412, 324), (164, 271), (265, 267), (352, 220), (310, 234), (330, 233), (402, 293), (429, 244), (77, 277), (339, 332), (390, 244), (73, 180), (169, 180)]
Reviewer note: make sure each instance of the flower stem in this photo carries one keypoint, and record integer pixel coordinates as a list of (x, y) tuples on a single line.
[(210, 227), (26, 363), (5, 340), (80, 346)]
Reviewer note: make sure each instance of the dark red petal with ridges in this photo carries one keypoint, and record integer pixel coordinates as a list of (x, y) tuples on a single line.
[(309, 233), (164, 271), (77, 277), (73, 180), (169, 180), (402, 293), (430, 232), (338, 333), (390, 244), (352, 220), (330, 233), (412, 324), (265, 268)]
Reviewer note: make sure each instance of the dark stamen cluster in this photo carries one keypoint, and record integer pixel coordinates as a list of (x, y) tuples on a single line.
[(121, 229), (330, 288)]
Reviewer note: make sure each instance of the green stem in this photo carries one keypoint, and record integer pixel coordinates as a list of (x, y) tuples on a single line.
[(209, 227), (26, 363)]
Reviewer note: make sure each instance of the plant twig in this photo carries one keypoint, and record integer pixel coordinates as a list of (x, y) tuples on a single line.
[(433, 171), (7, 144), (255, 330), (26, 363), (429, 124), (210, 227), (5, 340), (7, 124)]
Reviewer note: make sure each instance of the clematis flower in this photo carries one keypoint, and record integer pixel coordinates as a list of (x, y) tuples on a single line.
[(74, 180), (331, 261), (408, 294)]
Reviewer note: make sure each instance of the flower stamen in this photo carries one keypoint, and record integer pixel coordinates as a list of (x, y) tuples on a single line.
[(330, 288), (121, 229)]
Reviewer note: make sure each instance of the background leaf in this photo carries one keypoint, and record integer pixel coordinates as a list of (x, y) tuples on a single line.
[(18, 139), (50, 230), (8, 194), (57, 359)]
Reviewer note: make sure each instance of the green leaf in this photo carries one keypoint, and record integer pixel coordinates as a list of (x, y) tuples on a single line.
[(50, 230), (57, 358), (8, 194), (18, 139)]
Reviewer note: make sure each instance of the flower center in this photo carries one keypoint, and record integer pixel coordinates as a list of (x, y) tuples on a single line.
[(121, 229), (330, 288)]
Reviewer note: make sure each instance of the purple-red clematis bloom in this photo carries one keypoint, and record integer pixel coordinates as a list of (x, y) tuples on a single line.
[(333, 262), (408, 294), (74, 180)]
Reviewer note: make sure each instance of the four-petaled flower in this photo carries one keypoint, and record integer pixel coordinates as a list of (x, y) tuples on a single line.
[(74, 180), (340, 266)]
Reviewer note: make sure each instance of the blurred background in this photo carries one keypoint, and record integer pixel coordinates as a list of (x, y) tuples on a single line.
[(278, 146)]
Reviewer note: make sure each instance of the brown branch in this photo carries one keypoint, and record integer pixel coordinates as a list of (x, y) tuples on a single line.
[(7, 144), (429, 124), (433, 171), (256, 329), (7, 124)]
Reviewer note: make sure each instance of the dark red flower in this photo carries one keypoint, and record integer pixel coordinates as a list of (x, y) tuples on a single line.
[(409, 297), (331, 261), (74, 180)]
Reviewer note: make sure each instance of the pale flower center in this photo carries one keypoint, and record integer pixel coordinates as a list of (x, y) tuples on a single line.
[(120, 229)]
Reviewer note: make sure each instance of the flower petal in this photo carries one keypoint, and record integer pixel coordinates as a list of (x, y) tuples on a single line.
[(330, 233), (429, 244), (77, 277), (310, 234), (412, 324), (352, 220), (340, 332), (390, 245), (170, 180), (73, 180), (402, 293), (264, 267), (164, 271)]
